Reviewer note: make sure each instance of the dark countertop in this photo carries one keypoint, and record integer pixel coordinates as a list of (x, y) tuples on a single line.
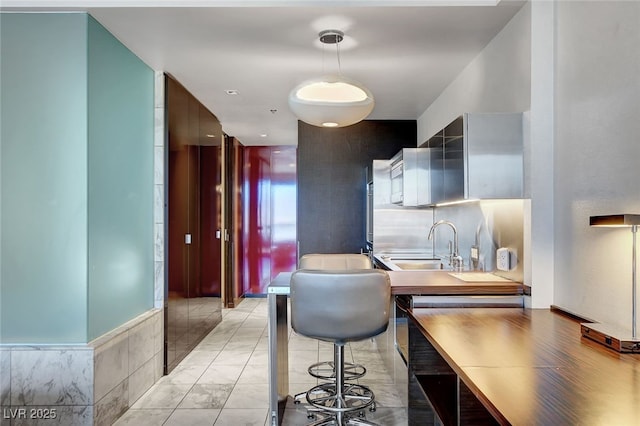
[(531, 366)]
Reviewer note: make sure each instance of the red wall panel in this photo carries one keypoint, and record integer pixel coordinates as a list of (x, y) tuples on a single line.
[(269, 192)]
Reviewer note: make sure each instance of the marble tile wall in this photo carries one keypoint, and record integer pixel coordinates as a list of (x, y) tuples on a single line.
[(159, 189), (90, 384), (126, 365), (46, 385)]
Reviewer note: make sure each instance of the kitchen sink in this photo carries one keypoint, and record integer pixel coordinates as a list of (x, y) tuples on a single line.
[(411, 262), (418, 264)]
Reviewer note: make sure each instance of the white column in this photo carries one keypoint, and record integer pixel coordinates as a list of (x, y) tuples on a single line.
[(541, 177)]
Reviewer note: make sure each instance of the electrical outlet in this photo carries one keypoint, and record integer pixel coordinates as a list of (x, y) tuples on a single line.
[(474, 257), (475, 253), (503, 259)]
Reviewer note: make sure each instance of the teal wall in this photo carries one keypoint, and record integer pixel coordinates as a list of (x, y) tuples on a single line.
[(54, 187), (121, 131)]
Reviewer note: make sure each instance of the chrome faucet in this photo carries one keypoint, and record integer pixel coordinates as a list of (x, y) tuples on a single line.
[(455, 260)]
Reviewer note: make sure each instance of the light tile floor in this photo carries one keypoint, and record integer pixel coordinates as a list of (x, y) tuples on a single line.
[(224, 380)]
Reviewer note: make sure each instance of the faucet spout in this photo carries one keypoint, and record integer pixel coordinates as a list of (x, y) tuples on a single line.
[(456, 259)]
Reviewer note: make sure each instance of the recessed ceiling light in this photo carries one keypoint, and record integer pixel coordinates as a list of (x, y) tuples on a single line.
[(211, 136), (263, 135), (231, 92)]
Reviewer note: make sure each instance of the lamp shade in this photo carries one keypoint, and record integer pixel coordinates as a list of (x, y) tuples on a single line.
[(615, 220), (331, 101)]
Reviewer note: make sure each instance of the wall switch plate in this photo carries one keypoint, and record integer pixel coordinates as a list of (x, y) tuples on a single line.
[(505, 259)]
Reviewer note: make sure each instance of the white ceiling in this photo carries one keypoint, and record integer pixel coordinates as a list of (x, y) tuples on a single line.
[(406, 54)]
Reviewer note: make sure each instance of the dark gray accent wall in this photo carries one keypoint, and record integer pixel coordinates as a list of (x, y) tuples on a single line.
[(332, 180)]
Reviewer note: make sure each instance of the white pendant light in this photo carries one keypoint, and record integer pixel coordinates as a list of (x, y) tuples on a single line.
[(331, 100)]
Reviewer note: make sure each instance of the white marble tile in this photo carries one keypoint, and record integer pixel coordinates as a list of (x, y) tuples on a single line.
[(389, 416), (144, 417), (254, 374), (296, 388), (206, 396), (376, 373), (113, 405), (183, 375), (158, 291), (221, 374), (254, 324), (158, 89), (213, 342), (111, 365), (301, 343), (387, 395), (64, 415), (193, 417), (198, 357), (47, 377), (141, 380), (158, 158), (160, 396), (242, 344), (158, 136), (248, 331), (158, 203), (5, 377), (158, 237), (244, 417), (232, 357), (263, 343), (5, 415), (141, 344), (249, 396), (259, 357)]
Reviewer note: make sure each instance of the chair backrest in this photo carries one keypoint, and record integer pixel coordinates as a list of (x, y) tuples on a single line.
[(335, 261), (340, 306)]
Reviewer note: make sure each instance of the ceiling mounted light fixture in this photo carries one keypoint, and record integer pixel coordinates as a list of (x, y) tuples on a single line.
[(331, 100)]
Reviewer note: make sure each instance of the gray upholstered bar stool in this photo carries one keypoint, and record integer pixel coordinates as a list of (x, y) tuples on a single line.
[(340, 307), (325, 370)]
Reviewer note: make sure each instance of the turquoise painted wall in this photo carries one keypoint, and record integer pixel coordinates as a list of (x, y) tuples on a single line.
[(121, 128), (56, 181)]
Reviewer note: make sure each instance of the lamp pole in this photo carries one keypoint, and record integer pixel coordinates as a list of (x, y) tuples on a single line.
[(634, 230)]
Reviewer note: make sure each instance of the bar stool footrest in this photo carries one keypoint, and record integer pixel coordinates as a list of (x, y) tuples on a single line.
[(354, 397), (325, 370)]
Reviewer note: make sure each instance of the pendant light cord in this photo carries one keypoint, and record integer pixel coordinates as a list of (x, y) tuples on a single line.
[(338, 55)]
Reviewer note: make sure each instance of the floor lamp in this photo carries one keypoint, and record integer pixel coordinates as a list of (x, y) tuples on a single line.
[(607, 335)]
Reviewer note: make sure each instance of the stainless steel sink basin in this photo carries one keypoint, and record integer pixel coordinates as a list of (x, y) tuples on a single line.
[(415, 262), (418, 264)]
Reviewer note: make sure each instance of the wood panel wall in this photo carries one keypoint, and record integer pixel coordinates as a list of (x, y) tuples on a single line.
[(332, 180)]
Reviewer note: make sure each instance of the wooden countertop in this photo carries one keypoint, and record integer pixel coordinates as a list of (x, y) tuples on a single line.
[(437, 283), (532, 366), (442, 283)]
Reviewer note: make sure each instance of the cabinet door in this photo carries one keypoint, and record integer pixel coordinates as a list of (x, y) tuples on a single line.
[(436, 161), (454, 169), (494, 157), (454, 160)]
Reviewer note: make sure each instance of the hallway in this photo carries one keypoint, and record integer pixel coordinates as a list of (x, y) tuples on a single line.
[(224, 381)]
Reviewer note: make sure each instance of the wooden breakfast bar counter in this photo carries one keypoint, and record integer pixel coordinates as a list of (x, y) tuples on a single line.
[(516, 366), (438, 283), (412, 283)]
